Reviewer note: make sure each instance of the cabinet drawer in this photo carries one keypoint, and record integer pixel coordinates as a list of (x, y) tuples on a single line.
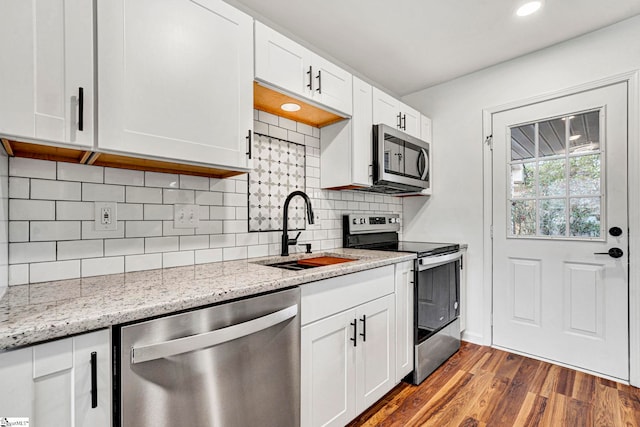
[(326, 297)]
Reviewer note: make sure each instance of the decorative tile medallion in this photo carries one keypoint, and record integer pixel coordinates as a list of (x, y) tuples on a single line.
[(279, 169)]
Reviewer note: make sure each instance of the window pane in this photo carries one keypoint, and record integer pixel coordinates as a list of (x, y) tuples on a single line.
[(552, 217), (584, 132), (523, 144), (552, 178), (523, 180), (585, 217), (584, 175), (523, 218), (552, 138)]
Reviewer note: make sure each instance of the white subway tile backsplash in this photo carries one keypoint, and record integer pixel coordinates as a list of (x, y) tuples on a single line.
[(113, 247), (142, 262), (32, 168), (176, 259), (76, 249), (171, 196), (161, 244), (18, 231), (156, 179), (57, 270), (89, 231), (102, 193), (194, 182), (18, 188), (52, 230), (54, 190), (18, 274), (194, 242), (208, 255), (20, 253), (143, 229), (69, 211), (123, 177), (158, 212), (208, 198), (84, 173), (41, 231), (31, 210), (100, 266)]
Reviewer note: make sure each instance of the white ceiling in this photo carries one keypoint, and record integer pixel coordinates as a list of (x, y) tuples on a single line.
[(408, 45)]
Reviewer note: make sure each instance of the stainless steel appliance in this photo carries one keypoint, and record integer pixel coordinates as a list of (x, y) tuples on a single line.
[(235, 364), (401, 162), (436, 286)]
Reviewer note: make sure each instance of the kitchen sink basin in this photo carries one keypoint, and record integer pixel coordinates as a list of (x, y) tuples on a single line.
[(306, 263)]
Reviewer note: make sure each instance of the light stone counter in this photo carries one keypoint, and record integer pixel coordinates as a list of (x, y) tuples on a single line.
[(44, 311)]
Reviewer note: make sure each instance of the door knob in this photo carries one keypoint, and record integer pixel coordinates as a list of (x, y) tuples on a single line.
[(613, 253), (615, 231)]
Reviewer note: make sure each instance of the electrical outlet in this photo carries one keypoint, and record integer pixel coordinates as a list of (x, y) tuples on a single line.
[(186, 216), (106, 218)]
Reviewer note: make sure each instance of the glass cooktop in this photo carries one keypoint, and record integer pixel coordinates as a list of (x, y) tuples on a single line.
[(428, 248)]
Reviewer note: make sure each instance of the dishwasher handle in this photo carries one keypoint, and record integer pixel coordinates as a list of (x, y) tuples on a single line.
[(178, 346)]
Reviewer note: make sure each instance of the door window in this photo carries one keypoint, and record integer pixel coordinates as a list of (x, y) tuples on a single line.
[(556, 179)]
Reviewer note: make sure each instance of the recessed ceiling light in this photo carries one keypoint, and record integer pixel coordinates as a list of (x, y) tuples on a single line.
[(290, 106), (574, 137), (529, 7)]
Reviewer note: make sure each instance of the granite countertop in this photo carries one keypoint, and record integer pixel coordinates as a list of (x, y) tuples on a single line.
[(43, 311)]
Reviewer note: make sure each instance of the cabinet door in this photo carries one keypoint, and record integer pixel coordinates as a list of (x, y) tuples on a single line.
[(332, 85), (16, 374), (362, 142), (47, 52), (176, 80), (327, 371), (386, 109), (410, 120), (84, 346), (282, 63), (404, 319), (425, 128), (376, 351)]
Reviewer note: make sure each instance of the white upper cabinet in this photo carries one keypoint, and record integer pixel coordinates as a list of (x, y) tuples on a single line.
[(284, 64), (176, 80), (391, 112), (46, 81), (425, 129), (346, 147)]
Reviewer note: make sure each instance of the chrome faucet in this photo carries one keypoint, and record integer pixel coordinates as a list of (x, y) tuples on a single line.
[(285, 233)]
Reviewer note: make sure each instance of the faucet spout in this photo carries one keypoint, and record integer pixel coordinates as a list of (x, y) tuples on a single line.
[(285, 214)]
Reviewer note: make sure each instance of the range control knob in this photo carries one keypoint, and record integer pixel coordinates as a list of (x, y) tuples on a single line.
[(355, 220), (363, 221)]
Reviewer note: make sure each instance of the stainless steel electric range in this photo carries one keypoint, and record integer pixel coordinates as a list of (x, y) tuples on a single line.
[(436, 286)]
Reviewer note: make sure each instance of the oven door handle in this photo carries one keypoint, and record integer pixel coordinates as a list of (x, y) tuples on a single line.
[(425, 263), (145, 353)]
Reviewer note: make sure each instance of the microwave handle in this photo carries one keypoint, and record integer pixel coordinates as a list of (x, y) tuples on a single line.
[(425, 171)]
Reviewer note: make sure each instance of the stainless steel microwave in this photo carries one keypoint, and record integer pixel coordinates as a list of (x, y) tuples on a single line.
[(401, 161)]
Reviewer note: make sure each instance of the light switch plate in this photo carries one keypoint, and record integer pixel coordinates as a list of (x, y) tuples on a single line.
[(186, 216), (106, 216)]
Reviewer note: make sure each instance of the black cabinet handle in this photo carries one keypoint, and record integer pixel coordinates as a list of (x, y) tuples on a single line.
[(310, 72), (355, 332), (94, 379), (249, 144), (364, 328), (319, 90), (404, 121), (80, 109), (399, 125)]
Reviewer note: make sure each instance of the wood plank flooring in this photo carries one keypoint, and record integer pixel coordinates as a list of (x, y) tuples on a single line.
[(483, 386)]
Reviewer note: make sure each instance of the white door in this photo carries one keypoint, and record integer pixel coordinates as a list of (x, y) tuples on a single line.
[(386, 109), (328, 371), (559, 189), (376, 351), (404, 319), (410, 121), (176, 80), (332, 85)]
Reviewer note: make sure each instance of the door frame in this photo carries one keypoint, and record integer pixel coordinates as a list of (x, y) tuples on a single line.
[(633, 178)]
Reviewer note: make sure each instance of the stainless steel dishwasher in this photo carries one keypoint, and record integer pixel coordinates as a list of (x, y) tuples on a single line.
[(234, 364)]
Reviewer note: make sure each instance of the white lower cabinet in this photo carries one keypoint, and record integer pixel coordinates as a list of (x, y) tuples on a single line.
[(51, 383), (348, 345), (404, 319)]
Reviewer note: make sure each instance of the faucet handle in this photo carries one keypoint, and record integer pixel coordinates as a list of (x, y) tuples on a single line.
[(294, 241), (307, 247)]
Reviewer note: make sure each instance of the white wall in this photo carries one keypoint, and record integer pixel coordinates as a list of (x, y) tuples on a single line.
[(4, 221), (454, 212)]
